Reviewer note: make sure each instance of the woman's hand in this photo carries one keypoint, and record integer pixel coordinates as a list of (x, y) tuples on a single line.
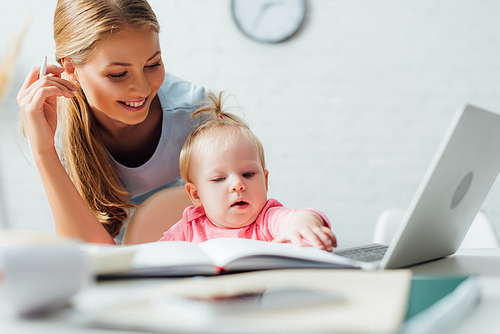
[(37, 100), (309, 226)]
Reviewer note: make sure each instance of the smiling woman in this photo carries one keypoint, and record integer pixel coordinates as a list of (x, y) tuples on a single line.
[(123, 94), (115, 115)]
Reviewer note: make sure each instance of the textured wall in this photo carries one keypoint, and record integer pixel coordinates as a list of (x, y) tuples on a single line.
[(350, 111)]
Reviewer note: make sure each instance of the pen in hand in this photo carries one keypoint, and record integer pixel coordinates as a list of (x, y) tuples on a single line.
[(43, 69)]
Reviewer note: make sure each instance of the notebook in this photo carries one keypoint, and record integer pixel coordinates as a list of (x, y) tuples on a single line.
[(450, 194), (439, 303)]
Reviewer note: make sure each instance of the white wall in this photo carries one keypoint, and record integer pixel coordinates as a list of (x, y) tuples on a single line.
[(350, 111)]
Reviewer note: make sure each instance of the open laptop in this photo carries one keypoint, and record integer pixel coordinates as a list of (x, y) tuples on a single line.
[(449, 197)]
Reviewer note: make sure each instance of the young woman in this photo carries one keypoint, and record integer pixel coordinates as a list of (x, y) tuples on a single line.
[(121, 120)]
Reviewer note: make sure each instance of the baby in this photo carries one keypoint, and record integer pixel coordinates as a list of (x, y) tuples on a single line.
[(226, 178)]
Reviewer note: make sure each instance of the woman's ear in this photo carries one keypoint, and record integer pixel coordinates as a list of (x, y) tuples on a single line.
[(70, 69), (193, 194)]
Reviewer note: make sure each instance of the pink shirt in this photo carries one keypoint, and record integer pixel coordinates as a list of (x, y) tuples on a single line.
[(196, 227)]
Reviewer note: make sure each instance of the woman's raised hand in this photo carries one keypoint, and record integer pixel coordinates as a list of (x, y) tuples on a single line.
[(37, 100)]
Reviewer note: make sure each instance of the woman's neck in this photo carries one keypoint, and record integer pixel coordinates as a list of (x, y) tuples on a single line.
[(134, 145)]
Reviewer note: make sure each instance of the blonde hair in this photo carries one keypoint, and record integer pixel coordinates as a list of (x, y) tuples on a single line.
[(215, 124), (79, 27)]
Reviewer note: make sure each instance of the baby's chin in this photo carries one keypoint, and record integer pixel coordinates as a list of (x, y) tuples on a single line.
[(234, 221), (230, 225)]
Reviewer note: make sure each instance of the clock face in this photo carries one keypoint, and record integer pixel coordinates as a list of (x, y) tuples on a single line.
[(271, 21)]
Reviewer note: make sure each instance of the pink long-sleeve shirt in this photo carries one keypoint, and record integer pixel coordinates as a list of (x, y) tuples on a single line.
[(196, 227)]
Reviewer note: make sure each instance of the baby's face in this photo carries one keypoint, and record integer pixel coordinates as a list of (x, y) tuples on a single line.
[(231, 184)]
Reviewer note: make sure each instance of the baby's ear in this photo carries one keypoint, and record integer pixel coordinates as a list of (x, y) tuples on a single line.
[(266, 175), (193, 194)]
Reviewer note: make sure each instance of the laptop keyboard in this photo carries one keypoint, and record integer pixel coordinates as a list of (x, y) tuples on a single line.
[(366, 253)]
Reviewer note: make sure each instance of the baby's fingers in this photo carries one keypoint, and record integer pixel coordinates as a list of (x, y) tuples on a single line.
[(326, 235), (280, 239), (329, 234), (296, 239), (315, 238)]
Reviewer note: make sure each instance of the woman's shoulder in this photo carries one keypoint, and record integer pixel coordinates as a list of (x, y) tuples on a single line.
[(177, 93)]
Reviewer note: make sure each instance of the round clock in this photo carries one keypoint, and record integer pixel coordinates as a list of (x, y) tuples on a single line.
[(272, 21)]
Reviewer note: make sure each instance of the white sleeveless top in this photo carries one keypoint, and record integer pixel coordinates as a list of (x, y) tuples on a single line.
[(178, 101)]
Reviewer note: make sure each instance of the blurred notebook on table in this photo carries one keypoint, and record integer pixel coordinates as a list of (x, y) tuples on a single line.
[(358, 302), (361, 302), (437, 303)]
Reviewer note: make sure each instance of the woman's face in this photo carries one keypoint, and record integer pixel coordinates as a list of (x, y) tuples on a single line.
[(122, 78)]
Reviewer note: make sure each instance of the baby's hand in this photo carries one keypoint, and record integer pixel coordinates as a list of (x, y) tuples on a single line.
[(309, 226)]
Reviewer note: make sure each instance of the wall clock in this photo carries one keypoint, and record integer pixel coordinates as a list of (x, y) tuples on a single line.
[(272, 21)]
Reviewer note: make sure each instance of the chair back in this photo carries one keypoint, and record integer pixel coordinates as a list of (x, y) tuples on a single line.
[(156, 215)]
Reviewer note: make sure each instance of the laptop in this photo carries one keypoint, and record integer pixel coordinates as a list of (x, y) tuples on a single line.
[(448, 199)]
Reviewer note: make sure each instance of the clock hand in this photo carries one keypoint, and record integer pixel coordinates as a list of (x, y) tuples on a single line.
[(262, 11)]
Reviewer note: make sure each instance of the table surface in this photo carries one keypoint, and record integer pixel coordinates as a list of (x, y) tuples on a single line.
[(484, 262)]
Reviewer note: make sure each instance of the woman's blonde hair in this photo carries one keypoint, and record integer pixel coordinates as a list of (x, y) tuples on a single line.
[(215, 124), (79, 27)]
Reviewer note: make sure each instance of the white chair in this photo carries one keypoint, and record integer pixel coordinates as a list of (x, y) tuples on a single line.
[(156, 215), (480, 235)]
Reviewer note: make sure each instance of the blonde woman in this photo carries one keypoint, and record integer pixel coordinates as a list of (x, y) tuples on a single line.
[(122, 120)]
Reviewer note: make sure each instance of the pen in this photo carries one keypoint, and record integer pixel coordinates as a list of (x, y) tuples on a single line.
[(43, 69)]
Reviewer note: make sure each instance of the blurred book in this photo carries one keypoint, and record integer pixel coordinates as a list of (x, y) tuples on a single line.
[(437, 303), (353, 301), (108, 259), (102, 258)]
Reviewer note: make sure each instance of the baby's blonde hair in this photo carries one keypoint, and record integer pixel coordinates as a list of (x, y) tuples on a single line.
[(215, 124)]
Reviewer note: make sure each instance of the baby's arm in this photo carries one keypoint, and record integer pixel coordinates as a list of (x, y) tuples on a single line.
[(308, 225)]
